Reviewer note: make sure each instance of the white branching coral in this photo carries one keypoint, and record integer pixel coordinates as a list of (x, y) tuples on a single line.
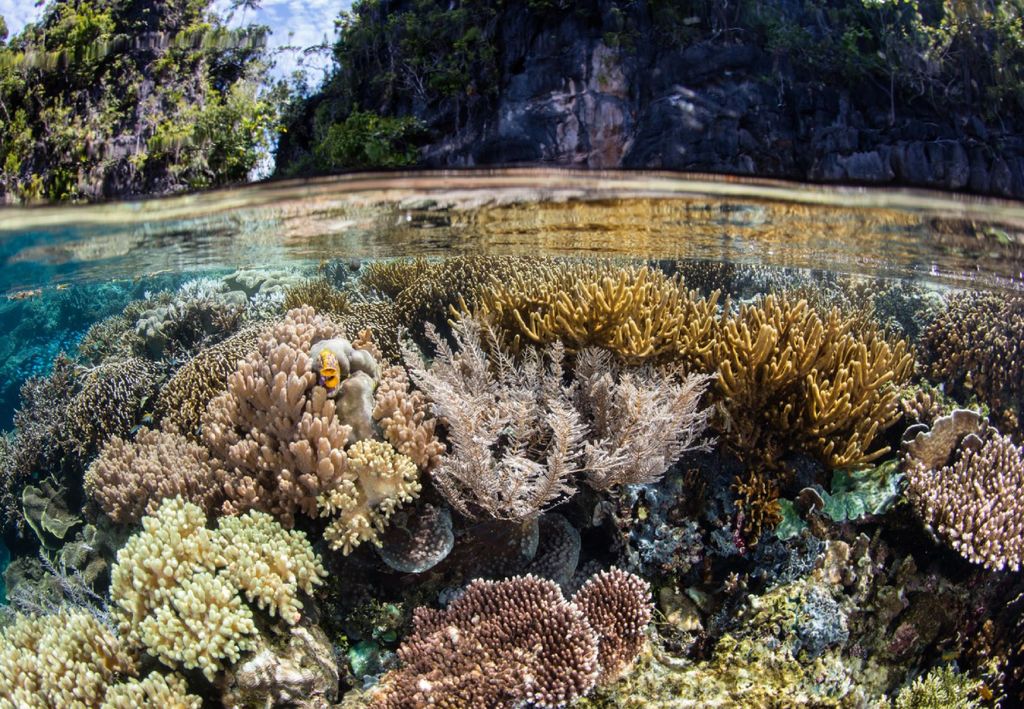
[(521, 430), (378, 480), (175, 585), (63, 660), (154, 690)]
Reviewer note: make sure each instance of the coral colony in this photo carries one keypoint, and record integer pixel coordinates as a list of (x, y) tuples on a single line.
[(515, 482)]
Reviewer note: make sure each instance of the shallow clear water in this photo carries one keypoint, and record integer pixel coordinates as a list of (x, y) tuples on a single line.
[(112, 291)]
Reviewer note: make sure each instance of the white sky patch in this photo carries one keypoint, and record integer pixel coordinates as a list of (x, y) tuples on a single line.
[(18, 13)]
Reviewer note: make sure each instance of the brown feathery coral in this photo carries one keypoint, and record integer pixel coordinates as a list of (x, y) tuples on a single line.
[(976, 346), (637, 312), (184, 398), (130, 479), (500, 644), (277, 431), (975, 504), (791, 379), (109, 403), (319, 294), (618, 607)]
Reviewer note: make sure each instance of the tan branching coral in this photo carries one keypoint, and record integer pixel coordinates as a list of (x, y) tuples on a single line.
[(184, 397), (618, 607), (637, 312), (976, 346), (61, 660), (376, 481), (317, 294), (520, 432), (790, 379), (757, 503), (277, 431), (380, 318), (131, 478), (500, 644), (404, 418), (517, 642), (390, 278), (154, 690), (176, 584), (975, 504)]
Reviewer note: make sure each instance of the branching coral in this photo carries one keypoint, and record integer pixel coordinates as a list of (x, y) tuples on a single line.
[(976, 346), (390, 278), (519, 433), (176, 583), (506, 643), (130, 479), (318, 294), (790, 379), (154, 690), (974, 503), (63, 660), (274, 428), (376, 481), (380, 318), (184, 398), (404, 419), (637, 312), (109, 403)]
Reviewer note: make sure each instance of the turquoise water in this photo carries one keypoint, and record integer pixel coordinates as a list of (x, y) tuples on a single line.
[(788, 415)]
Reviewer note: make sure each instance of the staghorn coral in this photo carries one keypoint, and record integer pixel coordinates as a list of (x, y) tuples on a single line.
[(508, 643), (976, 346), (791, 379), (319, 294), (277, 431), (974, 503), (109, 403), (155, 690), (637, 312), (130, 479), (376, 481), (175, 585), (618, 607), (183, 399), (404, 419), (62, 660), (381, 319), (520, 434), (389, 278)]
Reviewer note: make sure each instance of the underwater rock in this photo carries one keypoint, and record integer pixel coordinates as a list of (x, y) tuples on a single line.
[(298, 670), (417, 539)]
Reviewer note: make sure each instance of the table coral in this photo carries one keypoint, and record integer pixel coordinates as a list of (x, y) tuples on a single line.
[(176, 584)]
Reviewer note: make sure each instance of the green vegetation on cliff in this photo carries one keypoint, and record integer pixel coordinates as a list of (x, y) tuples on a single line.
[(110, 98)]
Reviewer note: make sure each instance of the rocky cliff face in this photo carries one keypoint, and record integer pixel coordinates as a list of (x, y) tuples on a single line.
[(562, 90)]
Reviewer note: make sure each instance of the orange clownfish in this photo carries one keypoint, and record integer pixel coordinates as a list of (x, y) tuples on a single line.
[(330, 376)]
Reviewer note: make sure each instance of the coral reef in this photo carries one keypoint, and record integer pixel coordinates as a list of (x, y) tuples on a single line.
[(176, 584), (318, 294), (154, 689), (417, 539), (381, 319), (503, 643), (131, 478), (403, 416), (976, 346)]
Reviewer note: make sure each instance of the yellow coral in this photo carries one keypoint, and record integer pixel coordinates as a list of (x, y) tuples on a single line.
[(377, 481), (62, 660), (155, 690)]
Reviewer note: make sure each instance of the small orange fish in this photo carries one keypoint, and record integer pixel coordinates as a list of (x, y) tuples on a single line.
[(329, 371)]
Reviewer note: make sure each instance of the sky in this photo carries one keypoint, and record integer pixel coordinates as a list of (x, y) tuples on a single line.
[(292, 22)]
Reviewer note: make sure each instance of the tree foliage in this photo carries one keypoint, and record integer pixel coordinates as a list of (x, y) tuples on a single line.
[(112, 98)]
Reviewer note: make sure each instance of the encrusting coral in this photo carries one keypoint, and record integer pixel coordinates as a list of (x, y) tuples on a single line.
[(176, 584), (131, 478), (506, 643), (519, 434)]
